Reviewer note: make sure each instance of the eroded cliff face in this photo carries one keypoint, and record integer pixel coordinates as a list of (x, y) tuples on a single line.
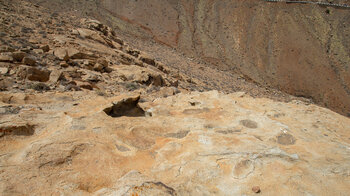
[(300, 49)]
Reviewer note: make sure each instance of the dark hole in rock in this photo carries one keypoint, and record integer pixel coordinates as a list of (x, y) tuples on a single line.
[(286, 139), (126, 107), (194, 103), (25, 130), (249, 123)]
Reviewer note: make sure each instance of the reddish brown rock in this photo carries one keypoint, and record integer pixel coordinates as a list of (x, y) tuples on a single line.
[(256, 189), (45, 48), (35, 74), (64, 64), (29, 60), (18, 56)]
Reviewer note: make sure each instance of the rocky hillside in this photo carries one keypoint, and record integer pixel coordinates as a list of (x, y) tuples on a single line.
[(301, 49), (83, 112)]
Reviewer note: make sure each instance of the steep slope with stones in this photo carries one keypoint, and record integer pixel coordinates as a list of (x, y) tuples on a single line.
[(302, 49)]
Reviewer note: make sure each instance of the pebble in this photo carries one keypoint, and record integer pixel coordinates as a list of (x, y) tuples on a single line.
[(256, 189)]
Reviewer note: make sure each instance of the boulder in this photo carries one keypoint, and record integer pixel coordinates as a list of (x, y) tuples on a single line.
[(84, 85), (126, 59), (45, 48), (64, 64), (29, 60), (134, 73), (3, 70), (36, 74), (18, 56), (98, 67), (72, 53), (38, 51), (147, 59), (89, 34), (103, 62), (61, 53), (55, 76)]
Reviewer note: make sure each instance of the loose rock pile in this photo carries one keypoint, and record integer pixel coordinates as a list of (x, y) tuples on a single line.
[(57, 55)]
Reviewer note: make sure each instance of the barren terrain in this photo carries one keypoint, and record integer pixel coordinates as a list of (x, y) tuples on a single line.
[(88, 108)]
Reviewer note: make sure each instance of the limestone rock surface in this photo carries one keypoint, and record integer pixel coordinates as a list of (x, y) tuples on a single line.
[(188, 144)]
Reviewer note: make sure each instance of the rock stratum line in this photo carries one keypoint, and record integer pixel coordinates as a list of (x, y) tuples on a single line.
[(314, 3)]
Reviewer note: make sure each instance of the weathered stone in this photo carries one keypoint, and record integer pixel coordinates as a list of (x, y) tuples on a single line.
[(84, 85), (86, 33), (64, 64), (35, 74), (103, 62), (55, 75), (126, 59), (73, 53), (29, 60), (174, 145), (70, 87), (89, 34), (45, 48), (39, 86), (5, 57), (3, 70), (17, 130), (147, 59), (98, 67), (116, 45), (108, 69), (286, 139), (38, 51), (256, 189), (61, 53), (140, 75), (18, 56), (126, 107), (249, 123)]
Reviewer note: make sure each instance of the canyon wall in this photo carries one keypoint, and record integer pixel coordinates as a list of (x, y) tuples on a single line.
[(298, 48)]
